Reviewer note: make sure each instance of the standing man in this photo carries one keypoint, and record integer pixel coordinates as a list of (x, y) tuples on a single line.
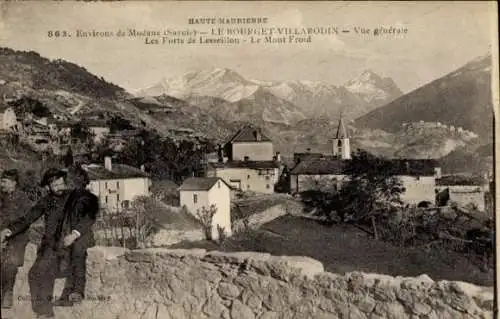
[(13, 204), (42, 275), (82, 208)]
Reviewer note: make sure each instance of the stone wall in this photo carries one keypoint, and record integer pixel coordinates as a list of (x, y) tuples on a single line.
[(162, 284)]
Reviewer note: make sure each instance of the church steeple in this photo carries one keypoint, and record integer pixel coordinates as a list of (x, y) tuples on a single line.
[(341, 131), (341, 145)]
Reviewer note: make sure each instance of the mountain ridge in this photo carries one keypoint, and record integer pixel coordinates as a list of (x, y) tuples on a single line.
[(312, 97), (461, 98)]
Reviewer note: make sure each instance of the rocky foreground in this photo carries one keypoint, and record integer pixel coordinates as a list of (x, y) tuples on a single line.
[(161, 284)]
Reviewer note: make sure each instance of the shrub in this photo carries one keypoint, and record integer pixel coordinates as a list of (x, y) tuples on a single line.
[(205, 215)]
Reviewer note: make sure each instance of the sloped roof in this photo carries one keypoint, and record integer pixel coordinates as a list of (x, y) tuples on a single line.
[(247, 164), (341, 131), (329, 166), (249, 133), (119, 171), (319, 166), (461, 180), (200, 183), (313, 148)]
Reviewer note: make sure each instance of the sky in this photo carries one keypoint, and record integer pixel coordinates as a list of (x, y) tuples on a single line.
[(441, 37)]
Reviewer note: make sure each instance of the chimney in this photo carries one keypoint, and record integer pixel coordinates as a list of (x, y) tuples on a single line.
[(278, 156), (143, 168), (437, 172), (107, 163), (258, 136)]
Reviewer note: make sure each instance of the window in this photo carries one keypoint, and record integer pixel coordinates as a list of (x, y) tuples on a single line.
[(248, 176), (218, 184), (339, 143), (267, 186), (106, 199), (195, 198), (117, 185), (106, 185), (268, 178), (248, 186), (117, 197)]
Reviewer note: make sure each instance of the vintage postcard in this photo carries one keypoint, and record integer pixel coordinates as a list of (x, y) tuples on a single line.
[(248, 160)]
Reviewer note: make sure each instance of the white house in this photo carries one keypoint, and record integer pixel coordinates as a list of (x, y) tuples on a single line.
[(8, 119), (117, 185), (463, 190), (199, 192), (249, 164), (417, 176)]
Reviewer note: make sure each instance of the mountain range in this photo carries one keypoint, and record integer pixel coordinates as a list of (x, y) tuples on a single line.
[(461, 99), (448, 118), (285, 102)]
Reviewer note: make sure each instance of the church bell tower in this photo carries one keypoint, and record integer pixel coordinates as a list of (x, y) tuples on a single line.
[(341, 146)]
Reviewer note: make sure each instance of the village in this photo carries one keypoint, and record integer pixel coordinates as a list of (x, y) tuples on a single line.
[(245, 166)]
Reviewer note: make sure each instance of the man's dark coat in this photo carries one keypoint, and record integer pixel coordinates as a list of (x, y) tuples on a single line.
[(82, 208), (12, 207), (73, 210)]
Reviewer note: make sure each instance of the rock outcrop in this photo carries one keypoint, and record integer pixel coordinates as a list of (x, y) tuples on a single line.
[(158, 283)]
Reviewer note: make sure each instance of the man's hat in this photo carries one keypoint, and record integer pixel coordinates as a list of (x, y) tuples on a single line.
[(12, 174), (52, 174)]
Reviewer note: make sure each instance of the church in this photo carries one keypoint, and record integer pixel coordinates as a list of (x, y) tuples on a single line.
[(315, 171)]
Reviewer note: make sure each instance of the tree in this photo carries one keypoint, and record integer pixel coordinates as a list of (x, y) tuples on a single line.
[(81, 132), (372, 189), (326, 202), (205, 216), (144, 224), (163, 157), (117, 124), (29, 105)]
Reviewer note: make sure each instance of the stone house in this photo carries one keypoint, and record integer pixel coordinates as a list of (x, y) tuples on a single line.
[(328, 171), (99, 128), (117, 185), (463, 190), (197, 193), (8, 119), (417, 177), (247, 162), (317, 174)]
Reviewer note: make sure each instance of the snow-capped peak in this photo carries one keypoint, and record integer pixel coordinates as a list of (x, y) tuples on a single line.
[(372, 87)]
